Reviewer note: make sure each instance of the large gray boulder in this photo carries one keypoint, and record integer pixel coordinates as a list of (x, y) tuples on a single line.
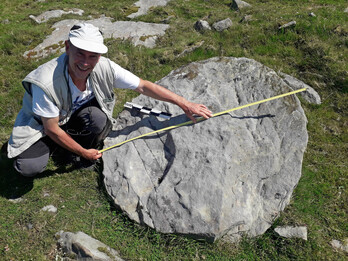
[(226, 176)]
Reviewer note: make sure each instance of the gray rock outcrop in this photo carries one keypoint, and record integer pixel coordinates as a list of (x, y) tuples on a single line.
[(44, 17), (139, 33), (83, 247), (145, 5), (223, 177)]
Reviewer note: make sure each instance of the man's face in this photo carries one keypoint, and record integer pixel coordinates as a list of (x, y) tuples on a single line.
[(81, 62)]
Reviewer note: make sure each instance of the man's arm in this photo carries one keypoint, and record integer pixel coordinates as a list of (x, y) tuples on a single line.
[(160, 93), (63, 139)]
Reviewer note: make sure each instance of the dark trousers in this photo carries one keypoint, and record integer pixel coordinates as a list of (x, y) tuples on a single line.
[(88, 126)]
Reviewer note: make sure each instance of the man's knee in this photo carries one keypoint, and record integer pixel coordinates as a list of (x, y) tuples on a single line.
[(30, 167), (98, 120)]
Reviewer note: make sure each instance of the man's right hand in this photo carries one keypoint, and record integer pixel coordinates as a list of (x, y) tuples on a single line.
[(91, 154), (63, 139)]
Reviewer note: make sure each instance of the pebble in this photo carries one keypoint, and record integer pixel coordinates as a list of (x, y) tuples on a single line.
[(50, 208)]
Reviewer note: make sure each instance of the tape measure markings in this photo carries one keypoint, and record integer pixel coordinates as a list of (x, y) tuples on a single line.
[(146, 110), (202, 118)]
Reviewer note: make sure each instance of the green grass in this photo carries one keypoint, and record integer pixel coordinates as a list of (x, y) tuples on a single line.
[(314, 51)]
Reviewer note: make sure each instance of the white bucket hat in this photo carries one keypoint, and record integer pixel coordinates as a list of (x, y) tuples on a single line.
[(87, 37)]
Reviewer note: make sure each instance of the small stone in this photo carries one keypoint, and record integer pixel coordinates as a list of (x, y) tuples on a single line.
[(191, 49), (167, 20), (346, 10), (222, 25), (202, 25), (84, 247), (15, 200), (292, 232), (246, 18), (29, 226), (50, 208), (290, 24), (312, 14), (238, 4), (343, 246), (340, 30)]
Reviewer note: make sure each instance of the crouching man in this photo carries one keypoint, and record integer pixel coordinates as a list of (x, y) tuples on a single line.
[(68, 103)]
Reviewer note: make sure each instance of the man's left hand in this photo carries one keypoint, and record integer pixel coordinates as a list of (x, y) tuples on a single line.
[(192, 109)]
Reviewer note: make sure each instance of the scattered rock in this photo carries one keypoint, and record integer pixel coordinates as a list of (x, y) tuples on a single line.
[(139, 33), (224, 177), (6, 21), (44, 17), (341, 30), (145, 5), (310, 95), (83, 247), (238, 4), (285, 26), (167, 20), (202, 25), (16, 200), (29, 226), (50, 208), (222, 25), (312, 14), (346, 10), (339, 245), (292, 232), (246, 18), (190, 50)]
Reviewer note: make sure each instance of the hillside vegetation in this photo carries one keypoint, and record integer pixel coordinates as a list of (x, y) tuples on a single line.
[(314, 51)]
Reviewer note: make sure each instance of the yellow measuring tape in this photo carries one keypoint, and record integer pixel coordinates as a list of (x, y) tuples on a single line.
[(202, 118)]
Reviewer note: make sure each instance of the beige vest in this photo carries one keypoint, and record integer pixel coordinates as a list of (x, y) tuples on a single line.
[(52, 79)]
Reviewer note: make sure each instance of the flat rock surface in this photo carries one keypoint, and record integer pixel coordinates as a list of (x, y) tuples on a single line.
[(81, 246), (139, 33), (44, 17), (145, 5), (225, 176)]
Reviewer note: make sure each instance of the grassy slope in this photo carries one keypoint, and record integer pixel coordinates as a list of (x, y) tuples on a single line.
[(315, 51)]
